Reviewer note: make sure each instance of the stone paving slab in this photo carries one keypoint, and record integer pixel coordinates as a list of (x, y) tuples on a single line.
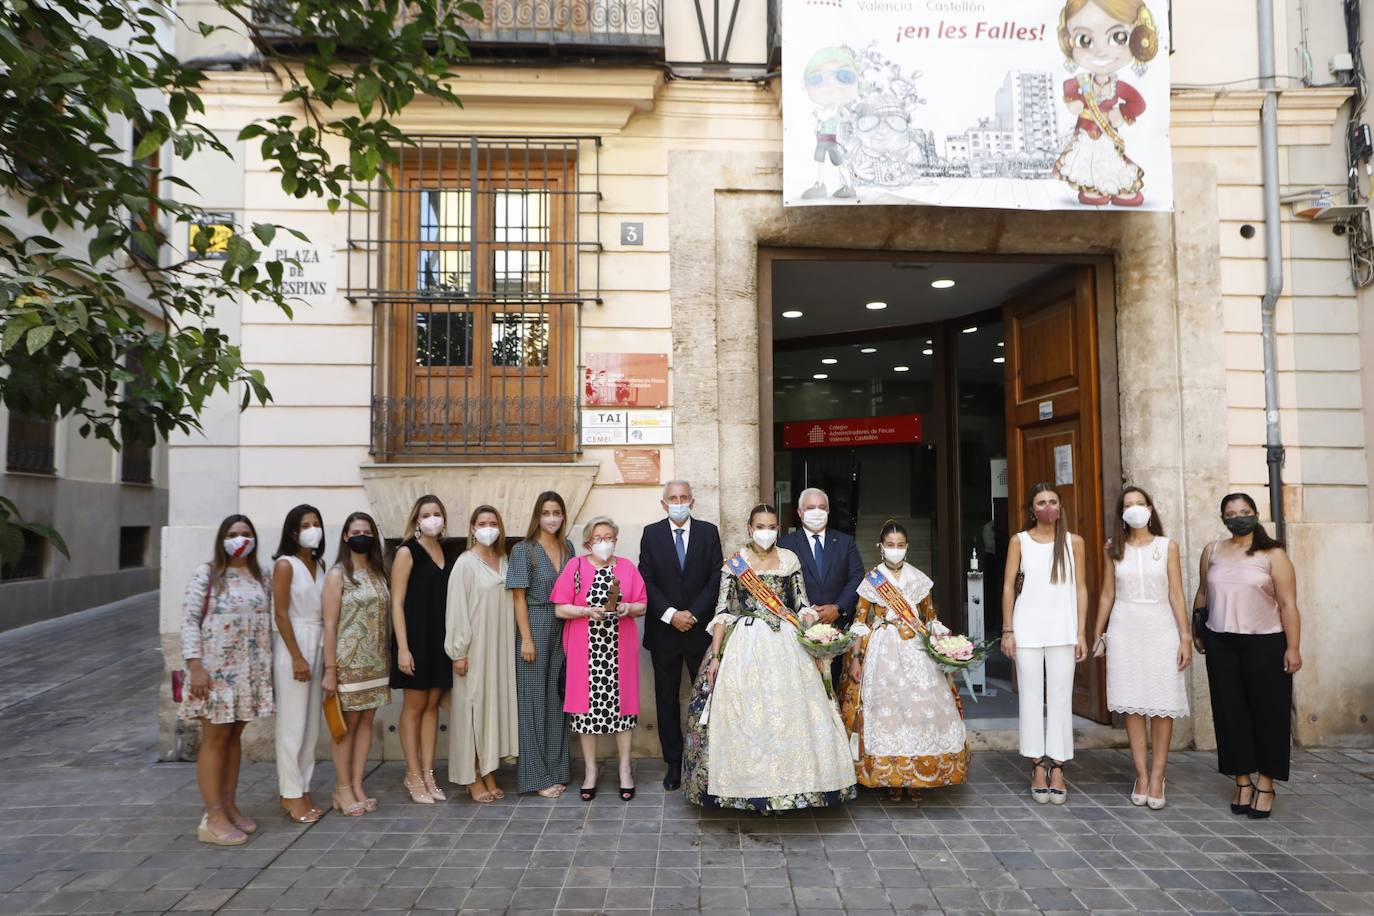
[(91, 823)]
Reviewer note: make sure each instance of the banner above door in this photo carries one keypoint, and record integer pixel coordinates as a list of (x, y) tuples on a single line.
[(1008, 104)]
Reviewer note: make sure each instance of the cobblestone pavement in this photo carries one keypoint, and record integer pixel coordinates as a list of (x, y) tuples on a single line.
[(91, 823)]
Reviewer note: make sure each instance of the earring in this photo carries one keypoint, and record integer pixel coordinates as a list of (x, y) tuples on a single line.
[(1139, 67), (1069, 65)]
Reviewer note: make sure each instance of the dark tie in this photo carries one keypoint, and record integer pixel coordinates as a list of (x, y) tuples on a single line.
[(819, 553), (681, 549)]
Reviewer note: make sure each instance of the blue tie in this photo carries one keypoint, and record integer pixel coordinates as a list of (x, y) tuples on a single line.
[(681, 549), (819, 554)]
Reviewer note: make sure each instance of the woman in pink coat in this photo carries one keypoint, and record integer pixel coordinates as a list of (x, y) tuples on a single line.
[(600, 594)]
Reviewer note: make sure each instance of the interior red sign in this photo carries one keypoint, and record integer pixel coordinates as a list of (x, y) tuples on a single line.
[(899, 429)]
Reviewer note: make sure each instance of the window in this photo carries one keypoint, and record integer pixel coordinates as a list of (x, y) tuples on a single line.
[(133, 547), (29, 445), (30, 563), (476, 297), (136, 456)]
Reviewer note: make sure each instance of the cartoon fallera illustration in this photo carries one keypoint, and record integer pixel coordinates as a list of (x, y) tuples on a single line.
[(1102, 37), (832, 83), (882, 146)]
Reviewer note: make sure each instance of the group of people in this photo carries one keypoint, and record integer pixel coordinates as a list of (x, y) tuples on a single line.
[(529, 644)]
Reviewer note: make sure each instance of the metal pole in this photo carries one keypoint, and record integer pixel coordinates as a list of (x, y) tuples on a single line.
[(1273, 260)]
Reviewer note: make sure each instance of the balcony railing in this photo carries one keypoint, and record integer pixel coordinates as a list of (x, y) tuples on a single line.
[(624, 26), (444, 428)]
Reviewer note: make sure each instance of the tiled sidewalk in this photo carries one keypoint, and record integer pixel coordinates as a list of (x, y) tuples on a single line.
[(89, 823)]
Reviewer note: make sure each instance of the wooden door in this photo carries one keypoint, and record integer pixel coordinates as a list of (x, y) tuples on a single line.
[(1054, 429)]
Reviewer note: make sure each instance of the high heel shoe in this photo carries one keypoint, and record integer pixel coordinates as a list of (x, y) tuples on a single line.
[(206, 835), (1157, 803), (432, 787), (1256, 814), (627, 794), (415, 785), (1041, 796), (1057, 796), (1237, 808), (351, 809), (310, 817), (1139, 798)]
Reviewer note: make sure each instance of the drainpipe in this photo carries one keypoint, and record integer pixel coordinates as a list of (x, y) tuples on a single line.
[(1273, 261)]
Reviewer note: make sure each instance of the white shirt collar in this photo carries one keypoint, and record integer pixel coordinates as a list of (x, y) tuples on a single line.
[(685, 527), (811, 534)]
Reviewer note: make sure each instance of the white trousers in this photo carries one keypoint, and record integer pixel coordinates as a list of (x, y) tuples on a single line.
[(1044, 681), (298, 713)]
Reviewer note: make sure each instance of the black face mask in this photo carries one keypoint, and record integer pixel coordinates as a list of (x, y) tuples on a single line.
[(1241, 525), (361, 543)]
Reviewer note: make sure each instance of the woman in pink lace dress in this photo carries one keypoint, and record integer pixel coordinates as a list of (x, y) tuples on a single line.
[(1148, 643)]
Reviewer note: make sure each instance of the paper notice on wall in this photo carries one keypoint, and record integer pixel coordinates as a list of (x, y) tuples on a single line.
[(999, 478), (1063, 465)]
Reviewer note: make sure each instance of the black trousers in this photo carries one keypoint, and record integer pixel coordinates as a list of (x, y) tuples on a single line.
[(667, 688), (1252, 702)]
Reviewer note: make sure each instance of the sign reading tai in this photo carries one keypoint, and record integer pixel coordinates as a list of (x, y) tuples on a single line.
[(900, 429), (1013, 104)]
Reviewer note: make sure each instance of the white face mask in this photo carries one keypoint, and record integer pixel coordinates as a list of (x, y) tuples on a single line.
[(815, 518), (239, 545), (310, 538), (1136, 516), (603, 550), (764, 538), (679, 512), (894, 555), (486, 535), (432, 525), (551, 523)]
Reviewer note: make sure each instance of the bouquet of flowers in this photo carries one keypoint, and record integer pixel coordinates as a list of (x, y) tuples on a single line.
[(953, 651), (823, 641)]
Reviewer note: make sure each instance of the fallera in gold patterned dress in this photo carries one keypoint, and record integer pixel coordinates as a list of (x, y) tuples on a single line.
[(364, 643), (903, 715)]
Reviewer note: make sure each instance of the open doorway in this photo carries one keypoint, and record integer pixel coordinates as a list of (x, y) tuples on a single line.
[(935, 392)]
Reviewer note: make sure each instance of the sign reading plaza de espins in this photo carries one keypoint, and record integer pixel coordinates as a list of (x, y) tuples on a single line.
[(1013, 104)]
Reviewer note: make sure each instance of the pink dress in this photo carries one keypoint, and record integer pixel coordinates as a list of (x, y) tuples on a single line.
[(602, 692)]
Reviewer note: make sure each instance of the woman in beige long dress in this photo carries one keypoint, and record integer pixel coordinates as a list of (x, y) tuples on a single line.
[(480, 638)]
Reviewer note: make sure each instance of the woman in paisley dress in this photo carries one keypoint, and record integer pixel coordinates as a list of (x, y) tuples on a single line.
[(901, 712), (357, 653), (226, 640), (599, 595), (769, 739)]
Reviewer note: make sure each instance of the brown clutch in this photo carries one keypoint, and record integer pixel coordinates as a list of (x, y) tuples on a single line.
[(333, 717)]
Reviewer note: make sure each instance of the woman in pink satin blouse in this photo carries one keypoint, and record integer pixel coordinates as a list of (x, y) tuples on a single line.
[(1250, 639), (600, 594)]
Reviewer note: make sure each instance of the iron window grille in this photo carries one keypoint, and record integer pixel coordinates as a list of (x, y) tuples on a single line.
[(29, 446), (471, 254), (30, 563)]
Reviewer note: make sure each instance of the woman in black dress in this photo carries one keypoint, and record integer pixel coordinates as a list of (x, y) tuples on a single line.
[(419, 666)]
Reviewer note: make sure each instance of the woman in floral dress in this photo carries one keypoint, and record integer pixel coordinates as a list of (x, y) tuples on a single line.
[(226, 640), (902, 715), (357, 653), (770, 738)]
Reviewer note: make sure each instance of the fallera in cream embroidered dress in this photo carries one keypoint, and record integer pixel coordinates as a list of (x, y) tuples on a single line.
[(773, 740), (903, 716)]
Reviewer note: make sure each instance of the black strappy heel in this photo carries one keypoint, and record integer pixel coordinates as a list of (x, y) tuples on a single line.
[(1256, 814), (1236, 807)]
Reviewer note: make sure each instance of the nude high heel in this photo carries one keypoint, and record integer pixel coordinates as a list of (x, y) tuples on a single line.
[(415, 785), (432, 787)]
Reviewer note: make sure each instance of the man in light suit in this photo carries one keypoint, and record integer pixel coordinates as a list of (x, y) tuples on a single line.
[(680, 559), (831, 566)]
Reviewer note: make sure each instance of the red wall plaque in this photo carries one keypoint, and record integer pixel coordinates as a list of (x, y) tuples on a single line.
[(900, 429)]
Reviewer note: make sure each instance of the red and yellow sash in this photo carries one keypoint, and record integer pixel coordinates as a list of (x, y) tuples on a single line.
[(896, 601), (738, 567)]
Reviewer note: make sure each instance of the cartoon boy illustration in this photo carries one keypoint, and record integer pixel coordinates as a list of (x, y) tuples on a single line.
[(1102, 37), (832, 82)]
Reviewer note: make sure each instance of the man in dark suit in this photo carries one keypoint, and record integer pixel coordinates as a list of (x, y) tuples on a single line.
[(830, 562), (680, 559)]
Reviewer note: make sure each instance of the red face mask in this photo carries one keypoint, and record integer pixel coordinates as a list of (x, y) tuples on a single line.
[(1047, 514)]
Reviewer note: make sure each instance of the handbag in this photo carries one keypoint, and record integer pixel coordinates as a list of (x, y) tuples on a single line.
[(179, 676), (1200, 614), (334, 717)]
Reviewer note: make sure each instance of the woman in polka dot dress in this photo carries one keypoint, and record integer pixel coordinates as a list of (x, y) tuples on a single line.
[(599, 595)]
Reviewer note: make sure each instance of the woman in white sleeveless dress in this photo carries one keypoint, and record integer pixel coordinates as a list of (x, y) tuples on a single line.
[(1148, 644), (1043, 633), (297, 657)]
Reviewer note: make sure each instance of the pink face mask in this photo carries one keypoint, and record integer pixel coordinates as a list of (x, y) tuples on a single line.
[(1047, 514)]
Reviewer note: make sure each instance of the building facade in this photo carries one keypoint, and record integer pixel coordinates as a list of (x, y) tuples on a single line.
[(625, 199)]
